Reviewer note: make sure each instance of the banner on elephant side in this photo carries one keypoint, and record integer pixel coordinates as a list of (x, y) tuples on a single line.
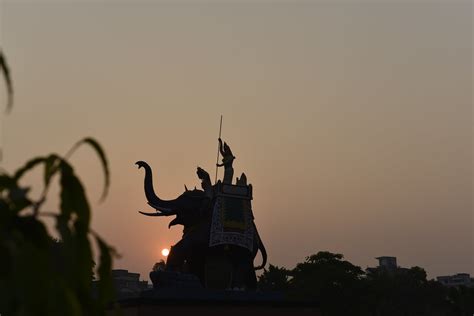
[(232, 218)]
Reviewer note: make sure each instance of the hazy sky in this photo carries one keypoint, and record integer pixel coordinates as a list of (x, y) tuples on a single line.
[(352, 120)]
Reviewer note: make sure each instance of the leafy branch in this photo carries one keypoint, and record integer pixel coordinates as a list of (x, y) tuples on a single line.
[(40, 275), (69, 267), (6, 74)]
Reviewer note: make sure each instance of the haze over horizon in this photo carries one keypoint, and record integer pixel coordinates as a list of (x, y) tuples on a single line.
[(352, 120)]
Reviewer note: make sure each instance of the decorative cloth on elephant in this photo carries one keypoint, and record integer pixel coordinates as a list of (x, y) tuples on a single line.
[(232, 217)]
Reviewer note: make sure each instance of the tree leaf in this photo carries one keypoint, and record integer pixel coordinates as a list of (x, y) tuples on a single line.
[(103, 159), (73, 196), (29, 165), (7, 182), (83, 257), (6, 73), (105, 288), (67, 304), (63, 228), (50, 168), (19, 203), (32, 230)]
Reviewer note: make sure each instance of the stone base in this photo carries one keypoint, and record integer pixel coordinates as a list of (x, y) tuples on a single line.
[(186, 302), (206, 295), (170, 279)]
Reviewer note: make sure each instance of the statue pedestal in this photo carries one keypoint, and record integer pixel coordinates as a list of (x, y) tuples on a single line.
[(206, 295), (169, 279), (190, 302)]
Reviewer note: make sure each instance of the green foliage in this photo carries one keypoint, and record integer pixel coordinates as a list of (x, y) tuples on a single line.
[(342, 288), (274, 279), (463, 300), (328, 278), (103, 159), (407, 290), (39, 275), (6, 74)]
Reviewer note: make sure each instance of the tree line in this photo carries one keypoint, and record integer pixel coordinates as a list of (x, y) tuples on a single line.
[(342, 288)]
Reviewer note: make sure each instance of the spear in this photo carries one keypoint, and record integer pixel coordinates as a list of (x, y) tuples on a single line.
[(218, 151)]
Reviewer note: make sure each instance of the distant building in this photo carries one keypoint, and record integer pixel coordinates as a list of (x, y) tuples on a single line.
[(128, 284), (386, 263), (460, 279)]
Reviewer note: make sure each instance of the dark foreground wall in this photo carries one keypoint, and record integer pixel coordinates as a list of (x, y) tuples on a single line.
[(213, 303)]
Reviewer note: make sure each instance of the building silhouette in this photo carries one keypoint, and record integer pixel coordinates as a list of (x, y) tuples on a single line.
[(386, 264), (459, 279), (128, 284)]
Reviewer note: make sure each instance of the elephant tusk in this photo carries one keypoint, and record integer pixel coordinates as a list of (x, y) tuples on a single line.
[(152, 214), (161, 209)]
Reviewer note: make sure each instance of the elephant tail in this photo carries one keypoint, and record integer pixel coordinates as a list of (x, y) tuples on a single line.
[(262, 249)]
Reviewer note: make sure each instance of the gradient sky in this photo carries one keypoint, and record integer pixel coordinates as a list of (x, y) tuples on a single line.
[(352, 120)]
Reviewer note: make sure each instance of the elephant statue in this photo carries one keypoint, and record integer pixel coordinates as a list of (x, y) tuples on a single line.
[(192, 254)]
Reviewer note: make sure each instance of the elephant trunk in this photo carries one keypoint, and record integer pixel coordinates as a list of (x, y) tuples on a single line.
[(165, 207)]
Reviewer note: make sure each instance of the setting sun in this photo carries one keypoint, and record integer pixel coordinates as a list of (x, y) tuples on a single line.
[(165, 252)]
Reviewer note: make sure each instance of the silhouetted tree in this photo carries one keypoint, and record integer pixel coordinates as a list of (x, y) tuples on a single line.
[(334, 282), (462, 299), (274, 279), (405, 291), (159, 266), (342, 288)]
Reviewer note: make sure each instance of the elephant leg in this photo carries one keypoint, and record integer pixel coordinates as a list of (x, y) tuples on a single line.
[(177, 255), (243, 272), (188, 254)]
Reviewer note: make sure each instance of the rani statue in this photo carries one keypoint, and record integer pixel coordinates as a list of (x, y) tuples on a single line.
[(227, 160)]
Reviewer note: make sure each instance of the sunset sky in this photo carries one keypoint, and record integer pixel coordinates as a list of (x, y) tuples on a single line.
[(351, 119)]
